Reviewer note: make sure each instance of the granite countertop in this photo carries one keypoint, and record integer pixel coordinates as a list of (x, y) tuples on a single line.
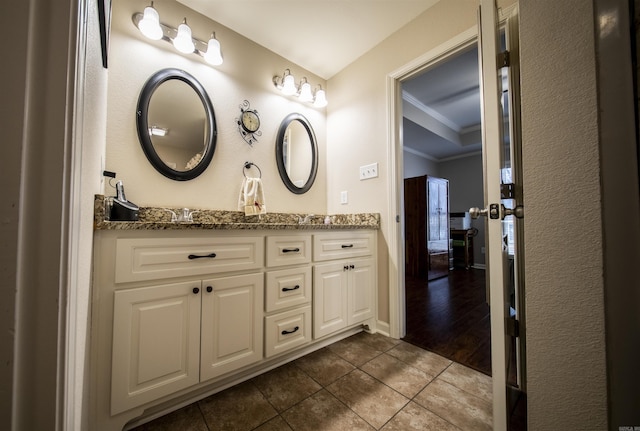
[(153, 218)]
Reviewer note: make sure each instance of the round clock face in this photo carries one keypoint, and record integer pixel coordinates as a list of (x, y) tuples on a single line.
[(250, 121)]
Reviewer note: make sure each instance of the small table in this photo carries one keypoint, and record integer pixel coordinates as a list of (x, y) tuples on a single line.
[(462, 245)]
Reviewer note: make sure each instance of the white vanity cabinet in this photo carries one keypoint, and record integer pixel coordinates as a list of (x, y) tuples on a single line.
[(179, 314), (288, 293), (344, 287), (169, 337), (175, 309)]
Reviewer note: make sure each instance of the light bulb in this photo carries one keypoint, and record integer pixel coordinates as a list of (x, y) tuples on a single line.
[(183, 41), (305, 92), (289, 86), (213, 55), (149, 25), (321, 99)]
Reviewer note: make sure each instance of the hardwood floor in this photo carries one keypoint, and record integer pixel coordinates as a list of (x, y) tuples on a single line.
[(450, 316)]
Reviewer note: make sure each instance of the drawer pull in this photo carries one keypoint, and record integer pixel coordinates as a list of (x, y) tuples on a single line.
[(347, 245), (291, 250), (288, 289), (290, 332), (195, 256)]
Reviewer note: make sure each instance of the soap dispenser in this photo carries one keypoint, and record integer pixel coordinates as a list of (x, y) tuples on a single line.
[(121, 208)]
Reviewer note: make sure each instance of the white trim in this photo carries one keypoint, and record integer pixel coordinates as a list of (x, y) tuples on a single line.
[(395, 149)]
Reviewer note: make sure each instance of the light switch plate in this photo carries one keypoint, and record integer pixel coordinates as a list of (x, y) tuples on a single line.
[(344, 198), (368, 171)]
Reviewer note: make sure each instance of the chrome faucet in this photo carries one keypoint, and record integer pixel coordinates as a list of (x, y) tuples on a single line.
[(185, 216), (306, 220)]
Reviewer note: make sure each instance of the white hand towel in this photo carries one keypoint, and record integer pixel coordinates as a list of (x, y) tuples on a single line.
[(251, 199)]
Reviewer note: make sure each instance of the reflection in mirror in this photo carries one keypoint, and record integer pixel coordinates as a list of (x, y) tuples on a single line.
[(297, 153), (176, 124)]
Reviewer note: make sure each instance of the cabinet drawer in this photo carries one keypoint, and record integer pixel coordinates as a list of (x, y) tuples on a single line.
[(288, 250), (342, 245), (286, 330), (288, 288), (140, 259)]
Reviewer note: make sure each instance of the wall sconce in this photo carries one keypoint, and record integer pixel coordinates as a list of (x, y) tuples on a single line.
[(149, 25), (286, 84)]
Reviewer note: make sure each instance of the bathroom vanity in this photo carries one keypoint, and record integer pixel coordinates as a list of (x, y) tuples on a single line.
[(184, 310)]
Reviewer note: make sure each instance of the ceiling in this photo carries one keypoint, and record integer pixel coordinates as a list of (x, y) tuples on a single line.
[(441, 106)]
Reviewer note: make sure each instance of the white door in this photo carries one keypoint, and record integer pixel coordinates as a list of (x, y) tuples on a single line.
[(500, 147), (330, 297), (156, 343), (361, 282), (232, 323)]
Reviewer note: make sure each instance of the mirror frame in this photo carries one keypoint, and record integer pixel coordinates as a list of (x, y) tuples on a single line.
[(280, 153), (142, 121)]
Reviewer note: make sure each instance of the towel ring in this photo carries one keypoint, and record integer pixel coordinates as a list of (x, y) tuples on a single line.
[(248, 165)]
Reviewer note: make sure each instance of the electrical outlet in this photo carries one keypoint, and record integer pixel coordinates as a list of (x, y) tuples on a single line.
[(368, 171), (344, 198)]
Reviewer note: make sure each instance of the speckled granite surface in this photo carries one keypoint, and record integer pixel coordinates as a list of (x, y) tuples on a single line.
[(151, 218)]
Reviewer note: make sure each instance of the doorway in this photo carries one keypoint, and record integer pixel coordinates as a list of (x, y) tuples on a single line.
[(445, 303)]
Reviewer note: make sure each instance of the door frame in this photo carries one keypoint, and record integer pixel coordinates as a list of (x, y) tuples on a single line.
[(395, 233)]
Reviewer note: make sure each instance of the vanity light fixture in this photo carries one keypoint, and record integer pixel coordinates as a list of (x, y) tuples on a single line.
[(183, 41), (286, 84), (213, 55), (305, 91), (150, 26), (320, 100)]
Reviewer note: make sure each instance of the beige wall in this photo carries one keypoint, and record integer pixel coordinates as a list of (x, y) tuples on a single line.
[(563, 224), (357, 122), (246, 74)]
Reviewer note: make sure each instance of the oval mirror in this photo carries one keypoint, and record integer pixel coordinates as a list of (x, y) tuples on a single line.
[(176, 124), (297, 153)]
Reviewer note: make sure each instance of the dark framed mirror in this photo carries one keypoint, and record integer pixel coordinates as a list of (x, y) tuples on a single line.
[(297, 153), (176, 124)]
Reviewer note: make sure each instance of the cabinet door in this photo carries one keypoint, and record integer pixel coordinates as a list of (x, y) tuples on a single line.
[(232, 323), (156, 343), (330, 298), (362, 276)]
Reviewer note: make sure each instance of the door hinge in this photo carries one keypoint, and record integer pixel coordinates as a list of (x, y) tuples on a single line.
[(508, 191), (513, 327), (503, 59)]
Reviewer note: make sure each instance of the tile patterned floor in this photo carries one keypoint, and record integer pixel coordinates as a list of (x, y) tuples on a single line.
[(365, 382)]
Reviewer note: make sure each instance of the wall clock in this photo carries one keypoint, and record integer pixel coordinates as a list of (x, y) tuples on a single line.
[(248, 123)]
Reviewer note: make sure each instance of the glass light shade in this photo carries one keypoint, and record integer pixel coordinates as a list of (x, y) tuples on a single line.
[(289, 86), (149, 25), (183, 41), (321, 99), (213, 55), (305, 93)]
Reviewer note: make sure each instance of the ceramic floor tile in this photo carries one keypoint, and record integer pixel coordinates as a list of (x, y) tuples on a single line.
[(188, 418), (286, 386), (377, 341), (354, 350), (369, 398), (462, 409), (275, 424), (398, 375), (416, 418), (469, 380), (324, 366), (241, 407), (323, 412), (421, 359)]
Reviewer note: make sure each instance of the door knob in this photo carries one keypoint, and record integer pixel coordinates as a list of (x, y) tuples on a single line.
[(476, 212), (495, 211)]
